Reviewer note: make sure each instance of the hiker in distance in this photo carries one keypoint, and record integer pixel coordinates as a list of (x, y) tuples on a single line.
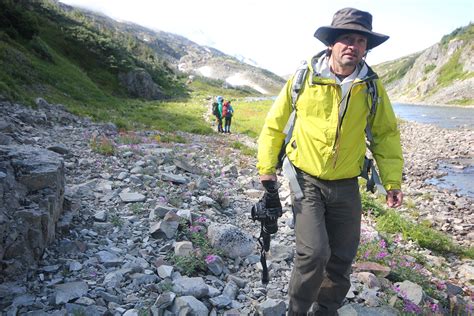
[(227, 113), (217, 112), (334, 112)]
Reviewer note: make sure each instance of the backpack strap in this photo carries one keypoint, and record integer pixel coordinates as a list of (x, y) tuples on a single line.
[(286, 166), (373, 94), (369, 171), (296, 86)]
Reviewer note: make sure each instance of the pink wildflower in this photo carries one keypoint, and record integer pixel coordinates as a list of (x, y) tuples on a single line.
[(194, 229), (210, 259), (397, 238), (440, 285), (201, 219), (434, 307), (381, 255)]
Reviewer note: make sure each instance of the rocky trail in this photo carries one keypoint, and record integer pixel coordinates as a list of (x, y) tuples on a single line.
[(90, 234)]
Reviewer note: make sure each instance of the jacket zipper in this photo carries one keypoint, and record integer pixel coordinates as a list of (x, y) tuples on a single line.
[(335, 148)]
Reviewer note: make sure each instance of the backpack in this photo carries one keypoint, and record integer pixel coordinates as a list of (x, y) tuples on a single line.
[(225, 109), (215, 109), (369, 171), (230, 111)]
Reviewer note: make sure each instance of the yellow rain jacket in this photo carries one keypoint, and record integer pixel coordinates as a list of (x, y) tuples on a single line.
[(314, 146)]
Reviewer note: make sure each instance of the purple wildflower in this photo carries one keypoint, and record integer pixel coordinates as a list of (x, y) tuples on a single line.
[(440, 285), (434, 307), (194, 229), (201, 219), (397, 238), (381, 255), (382, 244), (411, 307), (162, 199), (210, 259)]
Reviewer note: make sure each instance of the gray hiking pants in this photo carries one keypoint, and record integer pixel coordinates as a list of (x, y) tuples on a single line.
[(327, 229)]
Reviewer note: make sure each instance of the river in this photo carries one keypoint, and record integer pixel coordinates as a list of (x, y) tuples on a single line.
[(442, 116), (445, 117)]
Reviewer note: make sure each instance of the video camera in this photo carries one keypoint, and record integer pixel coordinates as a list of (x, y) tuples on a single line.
[(268, 217)]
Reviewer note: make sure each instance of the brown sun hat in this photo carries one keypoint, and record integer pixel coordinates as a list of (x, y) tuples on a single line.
[(350, 20)]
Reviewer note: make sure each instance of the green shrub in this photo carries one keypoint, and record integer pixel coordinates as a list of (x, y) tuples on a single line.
[(453, 70), (203, 252), (401, 69), (466, 32), (116, 220), (16, 20), (103, 145), (390, 221), (129, 138), (41, 49)]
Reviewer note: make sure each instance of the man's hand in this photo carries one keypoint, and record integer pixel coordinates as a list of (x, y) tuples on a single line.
[(270, 177), (394, 198), (271, 197)]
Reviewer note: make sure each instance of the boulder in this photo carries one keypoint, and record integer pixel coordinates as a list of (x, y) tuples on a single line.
[(139, 83), (28, 174)]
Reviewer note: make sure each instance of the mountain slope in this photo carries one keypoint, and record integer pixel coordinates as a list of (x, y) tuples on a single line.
[(191, 58), (46, 52), (441, 74), (73, 56)]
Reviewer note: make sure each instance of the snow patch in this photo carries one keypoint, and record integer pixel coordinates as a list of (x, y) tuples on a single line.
[(182, 67), (239, 80), (206, 71)]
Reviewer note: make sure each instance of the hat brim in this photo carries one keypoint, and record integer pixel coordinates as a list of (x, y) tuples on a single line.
[(328, 35)]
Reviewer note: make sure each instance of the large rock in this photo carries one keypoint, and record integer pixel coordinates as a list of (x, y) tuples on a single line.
[(31, 202), (191, 286), (359, 310), (231, 240), (69, 291), (189, 305), (139, 84), (272, 307), (410, 291)]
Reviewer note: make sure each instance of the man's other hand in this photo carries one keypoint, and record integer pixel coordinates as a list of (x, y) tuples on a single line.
[(394, 198)]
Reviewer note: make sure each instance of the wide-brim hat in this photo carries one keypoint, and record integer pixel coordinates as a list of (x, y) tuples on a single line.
[(350, 20)]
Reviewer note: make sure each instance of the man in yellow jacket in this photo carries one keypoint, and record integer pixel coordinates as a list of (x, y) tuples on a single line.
[(327, 150)]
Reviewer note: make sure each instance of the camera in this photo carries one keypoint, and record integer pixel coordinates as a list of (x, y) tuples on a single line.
[(266, 211), (268, 216)]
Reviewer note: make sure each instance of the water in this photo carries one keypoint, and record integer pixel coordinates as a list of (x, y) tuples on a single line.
[(442, 116), (461, 179)]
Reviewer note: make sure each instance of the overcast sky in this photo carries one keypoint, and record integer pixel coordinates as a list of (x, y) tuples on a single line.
[(278, 34)]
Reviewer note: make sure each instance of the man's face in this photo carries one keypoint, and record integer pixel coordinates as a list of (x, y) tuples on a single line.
[(349, 49)]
